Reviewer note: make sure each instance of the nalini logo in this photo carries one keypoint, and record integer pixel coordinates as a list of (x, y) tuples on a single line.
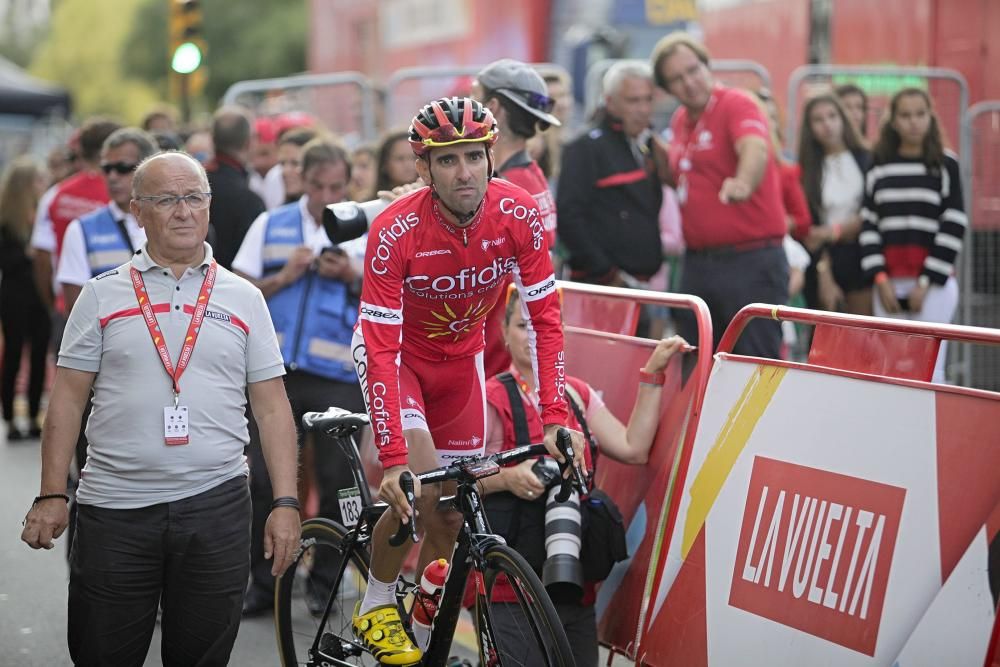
[(815, 551)]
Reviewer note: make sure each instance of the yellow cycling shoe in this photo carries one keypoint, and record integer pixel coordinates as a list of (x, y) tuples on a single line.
[(381, 632)]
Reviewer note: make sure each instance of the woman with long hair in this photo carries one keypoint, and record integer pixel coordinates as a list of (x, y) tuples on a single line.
[(914, 217), (23, 316), (833, 162), (395, 165), (855, 103)]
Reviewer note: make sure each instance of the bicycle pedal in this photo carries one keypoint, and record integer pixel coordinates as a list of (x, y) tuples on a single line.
[(333, 647)]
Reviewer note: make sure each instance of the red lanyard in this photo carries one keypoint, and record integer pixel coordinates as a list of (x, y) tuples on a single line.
[(193, 328)]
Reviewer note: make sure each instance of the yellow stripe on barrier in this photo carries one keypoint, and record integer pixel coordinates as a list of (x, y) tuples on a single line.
[(729, 444)]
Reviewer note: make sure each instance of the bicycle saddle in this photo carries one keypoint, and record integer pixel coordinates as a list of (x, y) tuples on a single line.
[(335, 421)]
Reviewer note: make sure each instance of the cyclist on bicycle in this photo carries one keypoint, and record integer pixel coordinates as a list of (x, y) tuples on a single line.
[(435, 264)]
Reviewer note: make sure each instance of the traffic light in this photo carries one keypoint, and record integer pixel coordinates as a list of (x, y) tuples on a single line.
[(187, 46)]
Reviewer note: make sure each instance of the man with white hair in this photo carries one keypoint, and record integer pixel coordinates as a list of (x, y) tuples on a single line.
[(609, 194), (171, 344)]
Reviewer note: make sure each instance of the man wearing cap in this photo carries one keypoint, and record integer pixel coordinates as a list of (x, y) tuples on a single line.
[(517, 96), (609, 194)]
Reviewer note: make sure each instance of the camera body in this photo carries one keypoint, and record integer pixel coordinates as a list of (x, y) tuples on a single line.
[(562, 572), (346, 221)]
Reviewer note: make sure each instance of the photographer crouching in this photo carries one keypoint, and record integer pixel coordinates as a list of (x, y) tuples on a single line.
[(574, 544)]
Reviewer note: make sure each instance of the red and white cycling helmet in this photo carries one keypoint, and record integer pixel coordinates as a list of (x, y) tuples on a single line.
[(449, 121)]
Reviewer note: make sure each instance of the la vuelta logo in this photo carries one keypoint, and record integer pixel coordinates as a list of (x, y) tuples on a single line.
[(815, 551)]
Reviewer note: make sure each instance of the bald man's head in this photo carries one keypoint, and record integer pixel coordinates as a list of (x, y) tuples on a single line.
[(162, 160)]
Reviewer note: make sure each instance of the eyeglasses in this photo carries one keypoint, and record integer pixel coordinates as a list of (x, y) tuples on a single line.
[(120, 168), (196, 201), (533, 100)]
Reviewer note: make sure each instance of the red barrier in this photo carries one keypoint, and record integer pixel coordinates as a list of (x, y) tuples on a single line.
[(935, 445), (610, 363), (600, 312)]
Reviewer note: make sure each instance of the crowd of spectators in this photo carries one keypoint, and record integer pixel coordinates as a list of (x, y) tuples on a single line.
[(852, 227)]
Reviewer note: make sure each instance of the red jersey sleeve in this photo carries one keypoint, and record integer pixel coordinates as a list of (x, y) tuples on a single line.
[(743, 116), (536, 282), (380, 317)]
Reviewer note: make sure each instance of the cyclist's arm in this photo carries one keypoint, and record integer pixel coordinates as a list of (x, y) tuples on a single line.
[(540, 306), (380, 317)]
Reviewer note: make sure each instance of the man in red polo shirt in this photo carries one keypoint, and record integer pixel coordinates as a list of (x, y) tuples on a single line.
[(78, 195), (721, 162)]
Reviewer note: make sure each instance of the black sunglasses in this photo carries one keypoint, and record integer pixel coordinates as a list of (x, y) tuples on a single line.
[(534, 100), (118, 167)]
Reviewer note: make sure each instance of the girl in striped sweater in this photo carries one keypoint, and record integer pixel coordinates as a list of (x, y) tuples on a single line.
[(913, 217)]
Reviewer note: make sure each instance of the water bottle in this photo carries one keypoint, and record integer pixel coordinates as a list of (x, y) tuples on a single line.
[(426, 600)]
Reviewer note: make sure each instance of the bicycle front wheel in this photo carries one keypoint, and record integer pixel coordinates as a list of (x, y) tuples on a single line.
[(515, 620), (301, 596)]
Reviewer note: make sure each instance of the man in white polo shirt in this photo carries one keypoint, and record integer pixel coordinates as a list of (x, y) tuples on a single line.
[(170, 343)]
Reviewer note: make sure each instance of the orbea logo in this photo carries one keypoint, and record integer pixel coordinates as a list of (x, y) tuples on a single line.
[(815, 551)]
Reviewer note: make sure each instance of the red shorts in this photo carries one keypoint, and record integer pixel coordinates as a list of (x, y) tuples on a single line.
[(445, 398), (448, 400)]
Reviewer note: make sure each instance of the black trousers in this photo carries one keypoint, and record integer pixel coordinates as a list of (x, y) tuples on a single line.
[(191, 555), (727, 281), (579, 622), (306, 393), (30, 324)]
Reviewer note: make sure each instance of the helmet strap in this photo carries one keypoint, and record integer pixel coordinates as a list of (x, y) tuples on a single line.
[(459, 215)]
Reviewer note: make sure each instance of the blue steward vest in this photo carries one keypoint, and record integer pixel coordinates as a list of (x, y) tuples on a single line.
[(314, 317), (107, 247)]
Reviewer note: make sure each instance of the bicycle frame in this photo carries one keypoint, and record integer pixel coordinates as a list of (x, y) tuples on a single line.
[(474, 538)]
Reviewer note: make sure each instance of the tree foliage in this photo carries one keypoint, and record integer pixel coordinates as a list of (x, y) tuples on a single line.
[(83, 52), (249, 39), (113, 55)]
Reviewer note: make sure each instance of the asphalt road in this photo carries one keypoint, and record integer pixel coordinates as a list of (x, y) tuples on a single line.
[(33, 583), (33, 586)]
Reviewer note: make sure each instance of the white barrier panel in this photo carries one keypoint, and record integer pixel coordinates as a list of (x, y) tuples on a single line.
[(819, 518), (963, 611)]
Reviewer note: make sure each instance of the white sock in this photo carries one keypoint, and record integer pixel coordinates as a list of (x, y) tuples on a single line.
[(379, 593)]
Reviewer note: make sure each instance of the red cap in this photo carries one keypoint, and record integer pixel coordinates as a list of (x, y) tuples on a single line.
[(266, 129), (293, 119)]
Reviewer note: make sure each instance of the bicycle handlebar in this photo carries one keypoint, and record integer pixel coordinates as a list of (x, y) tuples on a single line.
[(406, 530), (474, 467)]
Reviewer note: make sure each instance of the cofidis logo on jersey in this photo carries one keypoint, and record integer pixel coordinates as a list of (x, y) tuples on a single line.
[(387, 237), (815, 551), (510, 206)]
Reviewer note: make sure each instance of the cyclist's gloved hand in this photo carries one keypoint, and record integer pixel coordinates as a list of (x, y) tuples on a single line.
[(391, 492), (550, 445)]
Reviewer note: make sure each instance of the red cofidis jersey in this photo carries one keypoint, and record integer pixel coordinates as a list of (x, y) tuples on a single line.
[(428, 287)]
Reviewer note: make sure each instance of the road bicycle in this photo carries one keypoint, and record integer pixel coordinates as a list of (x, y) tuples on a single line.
[(316, 597)]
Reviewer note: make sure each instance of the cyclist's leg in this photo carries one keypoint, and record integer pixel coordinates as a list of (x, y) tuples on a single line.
[(455, 400)]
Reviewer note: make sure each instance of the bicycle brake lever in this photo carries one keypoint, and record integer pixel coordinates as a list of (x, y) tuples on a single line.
[(406, 530), (565, 444)]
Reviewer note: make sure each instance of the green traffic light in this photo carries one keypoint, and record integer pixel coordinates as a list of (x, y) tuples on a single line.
[(187, 58)]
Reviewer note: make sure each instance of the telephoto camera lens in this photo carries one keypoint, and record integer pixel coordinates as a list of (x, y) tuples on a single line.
[(346, 221), (546, 470), (562, 573)]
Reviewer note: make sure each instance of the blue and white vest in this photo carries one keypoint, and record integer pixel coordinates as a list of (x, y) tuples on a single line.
[(104, 240), (314, 317)]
